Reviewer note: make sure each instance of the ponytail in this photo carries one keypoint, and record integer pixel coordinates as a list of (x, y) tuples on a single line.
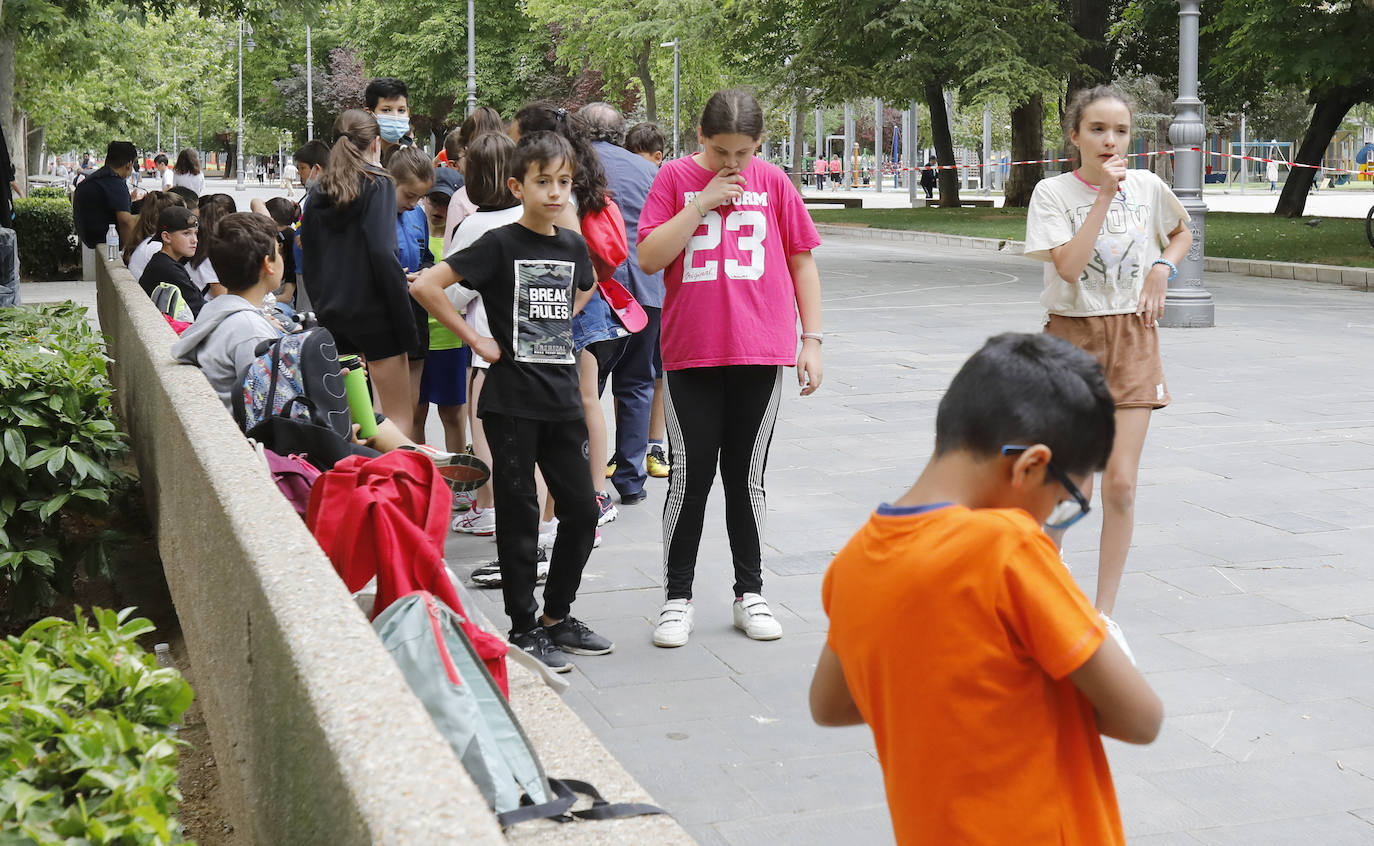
[(354, 132)]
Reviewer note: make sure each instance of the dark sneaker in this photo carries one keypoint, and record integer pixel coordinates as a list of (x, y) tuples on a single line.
[(572, 635), (489, 575), (536, 643), (606, 507)]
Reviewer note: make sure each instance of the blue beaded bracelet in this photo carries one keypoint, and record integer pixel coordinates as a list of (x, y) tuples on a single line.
[(1173, 271)]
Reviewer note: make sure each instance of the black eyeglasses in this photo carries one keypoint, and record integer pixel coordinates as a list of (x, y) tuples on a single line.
[(1066, 513)]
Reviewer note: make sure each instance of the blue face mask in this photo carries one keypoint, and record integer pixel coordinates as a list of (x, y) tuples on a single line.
[(393, 129)]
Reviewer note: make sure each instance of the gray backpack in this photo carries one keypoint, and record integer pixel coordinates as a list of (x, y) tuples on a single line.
[(425, 638)]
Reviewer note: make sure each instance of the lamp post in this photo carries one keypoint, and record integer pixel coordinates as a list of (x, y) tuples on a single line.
[(238, 156), (677, 84), (1188, 304), (309, 90), (472, 58)]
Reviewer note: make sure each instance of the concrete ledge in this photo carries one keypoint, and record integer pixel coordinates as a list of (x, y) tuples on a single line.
[(1359, 278), (317, 736)]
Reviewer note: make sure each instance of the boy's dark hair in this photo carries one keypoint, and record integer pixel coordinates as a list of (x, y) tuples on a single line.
[(384, 88), (242, 240), (733, 111), (540, 148), (487, 166), (175, 219), (645, 137), (1029, 389), (160, 158), (314, 152), (189, 197), (283, 211), (120, 153)]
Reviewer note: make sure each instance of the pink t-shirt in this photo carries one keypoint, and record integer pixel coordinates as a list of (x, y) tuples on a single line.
[(729, 295)]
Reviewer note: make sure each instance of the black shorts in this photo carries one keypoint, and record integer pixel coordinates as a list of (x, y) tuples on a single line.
[(372, 346)]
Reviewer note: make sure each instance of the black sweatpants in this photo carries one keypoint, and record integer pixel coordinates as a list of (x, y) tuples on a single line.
[(560, 449), (716, 415)]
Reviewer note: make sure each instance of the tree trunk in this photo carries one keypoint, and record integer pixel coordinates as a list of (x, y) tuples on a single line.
[(795, 127), (9, 115), (1027, 132), (944, 145), (1095, 65), (646, 79), (1330, 108)]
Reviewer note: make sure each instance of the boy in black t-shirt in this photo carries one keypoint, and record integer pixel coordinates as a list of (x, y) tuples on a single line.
[(177, 227), (533, 277)]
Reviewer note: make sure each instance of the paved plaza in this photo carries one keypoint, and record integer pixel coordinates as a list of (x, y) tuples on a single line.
[(1249, 596)]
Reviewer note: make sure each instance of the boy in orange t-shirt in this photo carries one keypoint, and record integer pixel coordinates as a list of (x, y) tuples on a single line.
[(957, 634)]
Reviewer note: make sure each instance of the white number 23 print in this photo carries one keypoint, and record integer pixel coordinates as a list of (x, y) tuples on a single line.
[(741, 221)]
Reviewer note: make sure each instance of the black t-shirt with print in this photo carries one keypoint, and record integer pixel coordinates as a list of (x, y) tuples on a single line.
[(527, 282)]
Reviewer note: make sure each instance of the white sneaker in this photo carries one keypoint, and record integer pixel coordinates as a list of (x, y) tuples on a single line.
[(1114, 630), (478, 521), (753, 617), (674, 623), (548, 533)]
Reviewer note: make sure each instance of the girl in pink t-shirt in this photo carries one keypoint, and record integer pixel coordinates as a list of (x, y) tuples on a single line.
[(734, 241)]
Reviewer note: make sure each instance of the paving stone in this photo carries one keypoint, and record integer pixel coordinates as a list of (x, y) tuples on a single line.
[(1146, 809), (1204, 689), (1282, 730), (1329, 830), (1334, 600), (666, 702), (799, 785), (1219, 612), (1262, 791), (870, 826), (1288, 640), (1311, 678)]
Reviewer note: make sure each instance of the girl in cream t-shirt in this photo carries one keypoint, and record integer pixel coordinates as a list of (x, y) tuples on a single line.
[(1111, 239)]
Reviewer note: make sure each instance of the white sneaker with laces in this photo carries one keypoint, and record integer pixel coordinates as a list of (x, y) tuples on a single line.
[(753, 617), (477, 521), (674, 623)]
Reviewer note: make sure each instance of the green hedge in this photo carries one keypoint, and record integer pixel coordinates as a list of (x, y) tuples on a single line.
[(48, 248), (48, 191), (60, 503), (88, 752)]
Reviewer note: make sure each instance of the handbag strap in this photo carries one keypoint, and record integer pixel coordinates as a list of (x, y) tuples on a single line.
[(565, 791)]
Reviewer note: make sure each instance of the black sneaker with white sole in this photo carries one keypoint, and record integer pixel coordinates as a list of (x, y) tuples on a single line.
[(572, 635), (489, 574), (536, 643)]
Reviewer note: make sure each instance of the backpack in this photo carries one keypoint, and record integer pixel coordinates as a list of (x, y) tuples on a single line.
[(388, 517), (304, 364), (167, 297), (294, 477), (606, 239), (429, 644)]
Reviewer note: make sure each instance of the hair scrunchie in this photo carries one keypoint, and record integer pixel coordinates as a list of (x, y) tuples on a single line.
[(561, 115)]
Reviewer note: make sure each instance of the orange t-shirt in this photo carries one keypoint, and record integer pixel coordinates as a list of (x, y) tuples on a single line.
[(957, 630)]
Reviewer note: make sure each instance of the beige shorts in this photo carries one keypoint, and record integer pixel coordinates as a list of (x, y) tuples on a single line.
[(1128, 351)]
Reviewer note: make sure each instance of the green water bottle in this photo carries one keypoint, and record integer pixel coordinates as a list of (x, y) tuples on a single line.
[(359, 397)]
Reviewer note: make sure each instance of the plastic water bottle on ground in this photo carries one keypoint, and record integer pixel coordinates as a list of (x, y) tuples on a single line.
[(112, 243)]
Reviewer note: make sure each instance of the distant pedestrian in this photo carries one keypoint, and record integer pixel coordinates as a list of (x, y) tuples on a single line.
[(1111, 239), (819, 168), (1271, 172), (836, 173), (103, 197), (187, 171), (164, 172), (928, 179)]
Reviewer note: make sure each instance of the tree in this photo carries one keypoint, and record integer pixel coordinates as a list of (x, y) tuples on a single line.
[(1319, 47)]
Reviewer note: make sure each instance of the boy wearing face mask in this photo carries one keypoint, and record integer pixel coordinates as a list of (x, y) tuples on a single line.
[(388, 101)]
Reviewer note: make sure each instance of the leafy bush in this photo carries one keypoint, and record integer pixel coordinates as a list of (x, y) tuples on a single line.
[(47, 236), (87, 750), (59, 499), (48, 191)]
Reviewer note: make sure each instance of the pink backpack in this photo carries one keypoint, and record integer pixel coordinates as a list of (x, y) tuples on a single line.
[(294, 477)]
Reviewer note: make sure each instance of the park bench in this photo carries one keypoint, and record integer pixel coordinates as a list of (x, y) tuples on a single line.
[(847, 202)]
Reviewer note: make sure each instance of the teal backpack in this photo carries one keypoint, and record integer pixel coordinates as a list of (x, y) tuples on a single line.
[(426, 639)]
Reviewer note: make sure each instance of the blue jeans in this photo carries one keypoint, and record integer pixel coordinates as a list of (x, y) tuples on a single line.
[(632, 385)]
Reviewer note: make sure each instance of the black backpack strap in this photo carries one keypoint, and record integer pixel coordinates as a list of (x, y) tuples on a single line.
[(272, 383), (565, 792)]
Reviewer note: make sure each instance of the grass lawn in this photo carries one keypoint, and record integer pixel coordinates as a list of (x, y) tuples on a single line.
[(1261, 237)]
